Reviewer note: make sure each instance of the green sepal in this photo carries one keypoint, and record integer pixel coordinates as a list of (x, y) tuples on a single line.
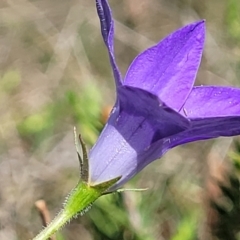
[(131, 190), (82, 156), (83, 195), (104, 186), (126, 190)]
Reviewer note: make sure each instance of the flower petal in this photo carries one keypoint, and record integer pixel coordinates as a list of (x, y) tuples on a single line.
[(107, 29), (212, 101), (138, 102), (200, 129), (213, 111), (139, 119), (169, 68), (208, 128)]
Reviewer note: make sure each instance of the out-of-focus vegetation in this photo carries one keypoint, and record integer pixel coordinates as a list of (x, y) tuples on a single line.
[(54, 74)]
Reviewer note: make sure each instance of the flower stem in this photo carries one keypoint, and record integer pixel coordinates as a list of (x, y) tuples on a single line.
[(53, 227), (79, 200)]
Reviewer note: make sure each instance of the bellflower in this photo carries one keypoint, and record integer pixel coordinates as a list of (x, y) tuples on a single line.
[(157, 106)]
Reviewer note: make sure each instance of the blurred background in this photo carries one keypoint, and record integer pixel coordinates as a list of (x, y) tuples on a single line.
[(55, 74)]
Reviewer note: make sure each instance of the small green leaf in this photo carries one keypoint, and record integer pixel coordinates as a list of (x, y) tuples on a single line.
[(10, 80)]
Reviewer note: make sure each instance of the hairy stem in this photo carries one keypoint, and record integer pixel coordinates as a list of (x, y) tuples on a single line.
[(78, 202)]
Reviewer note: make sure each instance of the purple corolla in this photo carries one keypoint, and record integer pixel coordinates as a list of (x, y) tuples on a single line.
[(157, 106)]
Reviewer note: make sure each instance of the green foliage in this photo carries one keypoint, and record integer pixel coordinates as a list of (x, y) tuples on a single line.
[(227, 207), (80, 108), (235, 156), (233, 19), (10, 81), (187, 229), (38, 126), (228, 210), (85, 108), (116, 224)]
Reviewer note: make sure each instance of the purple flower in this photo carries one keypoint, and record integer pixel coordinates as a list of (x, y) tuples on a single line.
[(157, 106)]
